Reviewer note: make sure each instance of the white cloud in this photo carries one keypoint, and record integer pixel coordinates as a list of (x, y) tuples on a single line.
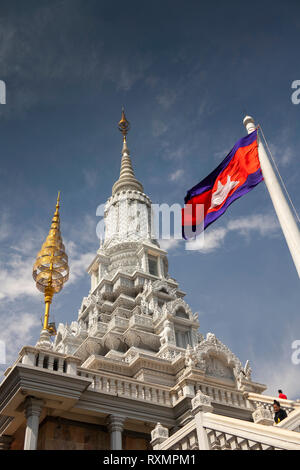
[(90, 177), (16, 265), (209, 241), (158, 127), (212, 239), (263, 223), (169, 245), (18, 292), (177, 152), (78, 266), (30, 242), (16, 278), (176, 175), (17, 330), (279, 372), (167, 98), (282, 152), (286, 156), (83, 230)]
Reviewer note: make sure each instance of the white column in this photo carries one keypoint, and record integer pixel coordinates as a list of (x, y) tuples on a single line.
[(29, 359), (71, 368), (33, 408), (201, 404), (281, 206), (115, 427)]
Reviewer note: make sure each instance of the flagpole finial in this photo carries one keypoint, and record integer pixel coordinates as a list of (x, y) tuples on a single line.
[(249, 123), (124, 125), (51, 271)]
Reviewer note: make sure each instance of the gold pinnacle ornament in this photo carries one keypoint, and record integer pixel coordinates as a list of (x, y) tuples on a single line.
[(51, 270), (124, 125)]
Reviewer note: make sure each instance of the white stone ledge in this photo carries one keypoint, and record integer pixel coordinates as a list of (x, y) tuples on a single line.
[(267, 435)]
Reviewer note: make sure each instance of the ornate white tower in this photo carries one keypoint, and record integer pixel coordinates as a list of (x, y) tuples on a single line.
[(135, 309), (129, 242)]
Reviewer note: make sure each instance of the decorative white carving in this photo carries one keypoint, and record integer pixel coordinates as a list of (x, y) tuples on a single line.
[(190, 357), (127, 218), (211, 347), (247, 370), (200, 337), (217, 368), (163, 285), (201, 400), (167, 334), (169, 353), (262, 416), (159, 432), (174, 305), (145, 307)]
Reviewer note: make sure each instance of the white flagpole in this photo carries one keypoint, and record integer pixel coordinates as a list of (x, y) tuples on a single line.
[(282, 208)]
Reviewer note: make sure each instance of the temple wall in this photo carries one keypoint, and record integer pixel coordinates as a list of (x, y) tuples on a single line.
[(134, 441), (63, 434), (18, 442)]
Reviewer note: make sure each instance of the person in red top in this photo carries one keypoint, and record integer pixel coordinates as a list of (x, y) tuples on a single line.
[(282, 395)]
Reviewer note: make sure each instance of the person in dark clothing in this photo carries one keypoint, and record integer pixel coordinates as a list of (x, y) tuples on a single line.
[(282, 395), (280, 414)]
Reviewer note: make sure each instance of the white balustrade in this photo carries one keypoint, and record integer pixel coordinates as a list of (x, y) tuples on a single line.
[(266, 402), (50, 361), (128, 388), (225, 433), (218, 395)]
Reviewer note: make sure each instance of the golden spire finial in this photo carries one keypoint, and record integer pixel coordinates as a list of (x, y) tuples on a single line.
[(51, 270), (124, 125)]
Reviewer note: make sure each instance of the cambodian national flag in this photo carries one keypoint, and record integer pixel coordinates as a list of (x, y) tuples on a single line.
[(238, 173)]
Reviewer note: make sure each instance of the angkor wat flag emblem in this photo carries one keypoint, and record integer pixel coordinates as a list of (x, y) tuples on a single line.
[(236, 175)]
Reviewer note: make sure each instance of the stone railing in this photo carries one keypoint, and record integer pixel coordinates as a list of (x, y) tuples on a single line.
[(233, 434), (117, 324), (104, 383), (98, 328), (219, 395), (209, 431), (224, 396), (184, 439), (49, 360), (141, 321), (265, 401), (128, 388)]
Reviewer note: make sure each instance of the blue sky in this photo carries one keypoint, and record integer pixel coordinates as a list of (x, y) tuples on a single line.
[(187, 72)]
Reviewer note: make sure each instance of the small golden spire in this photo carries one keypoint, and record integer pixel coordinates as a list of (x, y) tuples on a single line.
[(51, 270), (124, 125)]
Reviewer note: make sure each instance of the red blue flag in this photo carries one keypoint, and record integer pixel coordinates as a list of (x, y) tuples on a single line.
[(236, 175)]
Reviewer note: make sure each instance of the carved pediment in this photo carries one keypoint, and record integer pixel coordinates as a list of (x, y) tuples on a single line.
[(216, 368), (217, 359), (162, 286), (179, 306)]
